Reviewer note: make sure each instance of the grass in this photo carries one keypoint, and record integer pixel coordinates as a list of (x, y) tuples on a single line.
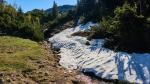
[(17, 54)]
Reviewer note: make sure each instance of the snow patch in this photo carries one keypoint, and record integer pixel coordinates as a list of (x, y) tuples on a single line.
[(105, 63)]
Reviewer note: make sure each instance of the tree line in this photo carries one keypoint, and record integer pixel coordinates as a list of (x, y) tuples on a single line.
[(16, 23), (30, 25), (125, 24)]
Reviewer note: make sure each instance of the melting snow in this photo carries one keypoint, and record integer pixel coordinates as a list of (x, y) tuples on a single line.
[(105, 63)]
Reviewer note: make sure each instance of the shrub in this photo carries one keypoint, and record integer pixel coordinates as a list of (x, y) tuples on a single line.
[(81, 33), (24, 26), (126, 31), (130, 31)]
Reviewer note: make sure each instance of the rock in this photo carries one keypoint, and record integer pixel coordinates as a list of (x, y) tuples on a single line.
[(1, 81), (87, 43), (8, 79), (1, 74), (46, 74), (41, 66)]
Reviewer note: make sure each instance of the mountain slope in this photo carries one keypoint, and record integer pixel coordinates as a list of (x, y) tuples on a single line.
[(63, 8)]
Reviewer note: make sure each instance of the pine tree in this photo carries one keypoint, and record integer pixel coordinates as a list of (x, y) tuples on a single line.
[(20, 10), (55, 11), (90, 9)]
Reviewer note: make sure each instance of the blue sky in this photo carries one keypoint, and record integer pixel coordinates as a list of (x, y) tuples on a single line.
[(28, 5)]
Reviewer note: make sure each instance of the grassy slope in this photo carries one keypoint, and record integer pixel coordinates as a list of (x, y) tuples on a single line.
[(16, 53), (23, 61)]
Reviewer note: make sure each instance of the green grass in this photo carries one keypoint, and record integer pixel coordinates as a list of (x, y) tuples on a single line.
[(18, 54)]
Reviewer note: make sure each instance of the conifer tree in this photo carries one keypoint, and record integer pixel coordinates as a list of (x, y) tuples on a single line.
[(55, 11), (20, 10)]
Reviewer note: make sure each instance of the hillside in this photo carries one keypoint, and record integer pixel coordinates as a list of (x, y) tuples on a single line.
[(63, 8), (23, 61), (88, 42)]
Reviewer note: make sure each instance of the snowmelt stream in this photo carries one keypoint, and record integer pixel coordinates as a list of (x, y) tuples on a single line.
[(105, 63)]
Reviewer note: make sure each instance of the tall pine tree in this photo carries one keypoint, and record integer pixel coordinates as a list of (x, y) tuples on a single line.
[(20, 11), (89, 8), (55, 11)]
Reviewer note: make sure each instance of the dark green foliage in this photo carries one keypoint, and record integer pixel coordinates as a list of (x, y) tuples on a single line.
[(94, 10), (55, 11), (20, 10), (17, 23), (125, 24), (58, 22), (127, 31), (96, 33), (41, 14), (90, 9), (52, 21)]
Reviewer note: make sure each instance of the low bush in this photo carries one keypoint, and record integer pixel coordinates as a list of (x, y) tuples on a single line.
[(19, 24), (81, 33), (129, 31), (96, 32)]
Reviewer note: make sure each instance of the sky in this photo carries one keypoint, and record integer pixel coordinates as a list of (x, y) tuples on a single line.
[(28, 5)]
